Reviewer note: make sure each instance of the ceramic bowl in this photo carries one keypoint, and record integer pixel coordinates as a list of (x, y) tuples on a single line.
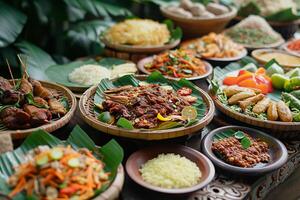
[(277, 151), (137, 159)]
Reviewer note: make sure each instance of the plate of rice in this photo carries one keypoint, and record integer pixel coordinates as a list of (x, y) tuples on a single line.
[(82, 74), (140, 36), (172, 169)]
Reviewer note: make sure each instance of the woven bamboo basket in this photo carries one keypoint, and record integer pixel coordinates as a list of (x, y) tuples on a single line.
[(53, 125), (86, 108), (115, 188), (273, 125)]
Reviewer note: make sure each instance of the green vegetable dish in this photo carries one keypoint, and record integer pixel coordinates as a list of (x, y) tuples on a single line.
[(44, 167), (154, 104)]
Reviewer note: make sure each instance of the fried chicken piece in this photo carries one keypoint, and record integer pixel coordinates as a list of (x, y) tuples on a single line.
[(40, 101), (38, 116), (272, 113), (10, 97), (25, 86), (40, 91), (261, 106), (15, 118), (234, 89), (56, 107), (4, 84), (234, 99), (284, 112), (250, 101)]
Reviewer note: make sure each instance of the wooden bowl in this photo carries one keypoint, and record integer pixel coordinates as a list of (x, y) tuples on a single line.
[(277, 151), (141, 66), (137, 159), (53, 125), (256, 54), (273, 125), (194, 27), (86, 108), (140, 49)]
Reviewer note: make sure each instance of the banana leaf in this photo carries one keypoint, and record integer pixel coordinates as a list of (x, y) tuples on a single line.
[(111, 154), (284, 15), (155, 78), (60, 73), (12, 22), (37, 60)]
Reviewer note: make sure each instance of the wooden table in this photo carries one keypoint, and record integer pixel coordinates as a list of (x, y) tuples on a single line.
[(224, 186)]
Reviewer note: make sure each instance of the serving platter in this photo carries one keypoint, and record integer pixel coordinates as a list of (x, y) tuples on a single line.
[(53, 125), (141, 49), (137, 159), (243, 53), (256, 54), (141, 66), (60, 73), (86, 108), (277, 151), (76, 140), (219, 75)]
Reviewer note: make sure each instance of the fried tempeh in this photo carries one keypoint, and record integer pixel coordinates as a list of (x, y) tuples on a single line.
[(234, 89), (250, 101), (272, 113), (234, 99), (261, 106), (56, 107), (284, 112)]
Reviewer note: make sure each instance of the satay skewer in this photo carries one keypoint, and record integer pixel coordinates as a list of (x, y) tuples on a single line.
[(24, 66), (10, 72)]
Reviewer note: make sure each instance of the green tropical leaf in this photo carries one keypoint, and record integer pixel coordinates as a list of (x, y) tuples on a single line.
[(86, 35), (37, 60), (249, 9), (100, 8), (111, 154), (12, 22), (284, 15)]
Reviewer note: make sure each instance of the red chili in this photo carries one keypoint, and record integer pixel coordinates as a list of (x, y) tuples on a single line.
[(185, 91)]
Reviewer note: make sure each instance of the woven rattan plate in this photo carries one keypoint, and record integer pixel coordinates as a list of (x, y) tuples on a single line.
[(53, 125), (86, 108)]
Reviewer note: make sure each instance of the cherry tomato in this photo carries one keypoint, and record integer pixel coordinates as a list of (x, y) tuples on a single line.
[(184, 91)]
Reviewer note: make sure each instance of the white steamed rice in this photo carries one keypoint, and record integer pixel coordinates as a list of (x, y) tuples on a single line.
[(89, 74)]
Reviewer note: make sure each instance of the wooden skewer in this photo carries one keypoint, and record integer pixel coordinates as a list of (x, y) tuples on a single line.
[(11, 75), (23, 66)]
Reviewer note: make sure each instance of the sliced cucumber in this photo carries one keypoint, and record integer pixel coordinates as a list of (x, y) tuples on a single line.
[(56, 154), (42, 160), (73, 162)]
